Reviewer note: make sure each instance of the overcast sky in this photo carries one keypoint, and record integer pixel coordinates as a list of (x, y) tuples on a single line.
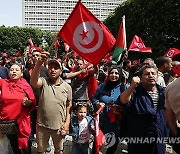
[(11, 12)]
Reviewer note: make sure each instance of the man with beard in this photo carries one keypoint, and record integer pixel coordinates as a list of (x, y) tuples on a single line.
[(164, 65), (79, 83), (145, 117)]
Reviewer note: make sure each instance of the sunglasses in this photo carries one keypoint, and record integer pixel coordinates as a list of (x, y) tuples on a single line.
[(81, 104)]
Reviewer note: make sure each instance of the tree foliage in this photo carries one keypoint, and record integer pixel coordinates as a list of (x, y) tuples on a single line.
[(15, 38), (157, 22)]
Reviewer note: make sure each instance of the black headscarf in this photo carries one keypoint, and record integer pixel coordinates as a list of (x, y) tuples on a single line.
[(112, 84)]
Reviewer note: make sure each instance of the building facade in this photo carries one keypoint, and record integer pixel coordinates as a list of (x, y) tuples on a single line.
[(52, 14)]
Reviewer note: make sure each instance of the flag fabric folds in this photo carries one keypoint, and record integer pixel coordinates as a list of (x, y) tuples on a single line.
[(99, 137), (121, 42), (86, 35), (172, 52), (138, 45)]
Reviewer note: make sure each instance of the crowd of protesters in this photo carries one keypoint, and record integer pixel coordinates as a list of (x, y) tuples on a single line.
[(138, 101)]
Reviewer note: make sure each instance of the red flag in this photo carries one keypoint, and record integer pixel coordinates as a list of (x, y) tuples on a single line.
[(86, 35), (66, 47), (56, 44), (172, 52), (75, 54), (92, 86), (31, 45), (108, 57), (138, 45), (34, 48), (30, 42), (99, 138), (19, 54), (176, 70), (135, 62)]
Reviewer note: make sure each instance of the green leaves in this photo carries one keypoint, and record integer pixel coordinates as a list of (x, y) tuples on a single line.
[(15, 38)]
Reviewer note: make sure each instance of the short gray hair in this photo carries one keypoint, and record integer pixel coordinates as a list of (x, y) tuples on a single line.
[(145, 67)]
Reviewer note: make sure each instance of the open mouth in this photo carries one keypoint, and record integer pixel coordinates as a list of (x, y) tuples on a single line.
[(14, 75), (53, 74)]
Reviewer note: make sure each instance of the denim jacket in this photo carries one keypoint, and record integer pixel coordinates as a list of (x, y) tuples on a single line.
[(141, 117), (74, 126), (105, 122), (113, 98)]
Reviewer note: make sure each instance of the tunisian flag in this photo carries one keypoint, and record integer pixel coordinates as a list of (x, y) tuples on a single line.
[(172, 52), (138, 45), (99, 138), (86, 35), (135, 62)]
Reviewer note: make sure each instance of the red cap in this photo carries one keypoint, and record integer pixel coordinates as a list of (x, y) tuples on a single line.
[(36, 49)]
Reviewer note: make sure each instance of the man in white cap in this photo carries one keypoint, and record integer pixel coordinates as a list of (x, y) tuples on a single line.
[(54, 104)]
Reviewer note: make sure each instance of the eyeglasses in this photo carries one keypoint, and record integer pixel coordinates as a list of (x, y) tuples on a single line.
[(35, 55)]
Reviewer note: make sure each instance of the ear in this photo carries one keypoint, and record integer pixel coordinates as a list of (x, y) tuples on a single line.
[(165, 65)]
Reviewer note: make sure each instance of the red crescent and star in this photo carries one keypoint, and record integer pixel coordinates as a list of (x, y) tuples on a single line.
[(93, 42)]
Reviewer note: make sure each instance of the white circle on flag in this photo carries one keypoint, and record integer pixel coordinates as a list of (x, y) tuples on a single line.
[(88, 37), (135, 62), (139, 45), (170, 53)]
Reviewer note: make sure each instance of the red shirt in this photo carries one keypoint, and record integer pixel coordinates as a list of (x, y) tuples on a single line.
[(12, 95)]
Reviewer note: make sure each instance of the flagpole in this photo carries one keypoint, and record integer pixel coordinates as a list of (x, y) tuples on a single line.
[(125, 42), (99, 110)]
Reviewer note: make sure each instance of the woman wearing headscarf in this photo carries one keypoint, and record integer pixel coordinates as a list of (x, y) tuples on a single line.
[(107, 95), (17, 101)]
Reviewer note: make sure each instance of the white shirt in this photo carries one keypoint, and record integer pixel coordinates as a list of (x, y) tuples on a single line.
[(84, 134), (161, 81)]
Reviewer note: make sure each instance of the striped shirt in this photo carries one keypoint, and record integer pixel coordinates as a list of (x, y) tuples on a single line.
[(155, 96)]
